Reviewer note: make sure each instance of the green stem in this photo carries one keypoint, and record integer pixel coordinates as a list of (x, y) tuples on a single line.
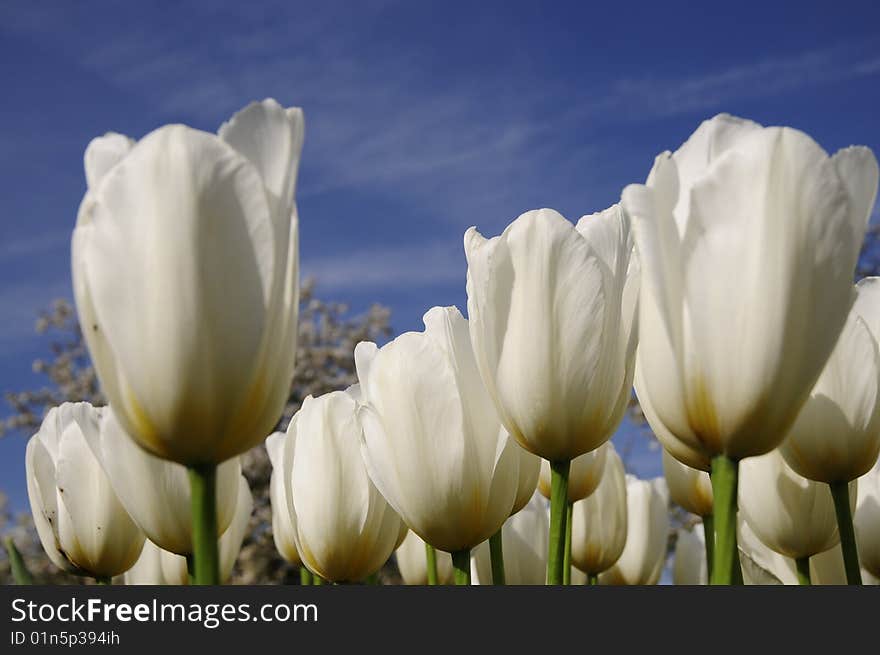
[(103, 580), (317, 580), (558, 510), (431, 562), (566, 558), (709, 538), (461, 564), (496, 553), (372, 579), (840, 495), (592, 578), (725, 472), (803, 570), (305, 576), (203, 489), (20, 572)]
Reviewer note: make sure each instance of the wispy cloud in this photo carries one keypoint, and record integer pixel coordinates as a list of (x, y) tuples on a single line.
[(32, 245)]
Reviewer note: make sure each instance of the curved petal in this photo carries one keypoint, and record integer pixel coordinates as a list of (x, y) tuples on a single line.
[(230, 543), (181, 225), (103, 153)]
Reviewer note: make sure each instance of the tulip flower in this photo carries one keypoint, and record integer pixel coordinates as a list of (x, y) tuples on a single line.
[(156, 492), (760, 564), (82, 525), (647, 531), (689, 566), (148, 568), (551, 310), (867, 520), (185, 275), (345, 529), (792, 515), (283, 520), (748, 239), (836, 437), (525, 548), (433, 444), (599, 521), (691, 489), (412, 563)]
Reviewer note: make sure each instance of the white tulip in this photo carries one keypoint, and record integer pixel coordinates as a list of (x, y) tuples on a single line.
[(413, 564), (583, 476), (867, 520), (283, 518), (599, 521), (530, 472), (647, 532), (761, 565), (551, 310), (836, 437), (185, 274), (433, 443), (157, 567), (689, 488), (792, 515), (689, 566), (748, 239), (82, 525), (156, 492), (345, 529), (525, 539)]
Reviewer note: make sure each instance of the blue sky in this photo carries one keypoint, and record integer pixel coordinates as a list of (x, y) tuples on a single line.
[(421, 120)]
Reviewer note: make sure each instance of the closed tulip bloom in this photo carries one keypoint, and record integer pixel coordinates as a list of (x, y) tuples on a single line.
[(748, 239), (792, 515), (836, 437), (644, 554), (526, 539), (867, 520), (551, 310), (689, 566), (761, 565), (688, 487), (185, 275), (530, 472), (283, 518), (433, 444), (148, 569), (599, 524), (583, 477), (412, 562), (156, 492), (345, 528), (82, 525)]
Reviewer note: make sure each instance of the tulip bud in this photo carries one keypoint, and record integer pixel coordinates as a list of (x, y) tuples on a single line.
[(82, 525), (433, 444), (688, 487), (156, 492), (185, 275), (525, 538), (836, 437), (867, 520), (413, 564), (689, 567), (647, 532), (599, 521), (792, 515), (283, 518), (551, 310), (584, 474), (748, 239), (345, 529)]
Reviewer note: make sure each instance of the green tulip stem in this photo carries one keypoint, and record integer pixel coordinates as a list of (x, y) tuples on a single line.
[(558, 510), (317, 580), (20, 573), (203, 491), (461, 565), (725, 471), (372, 579), (305, 576), (103, 580), (431, 562), (709, 538), (566, 558), (840, 495), (803, 570), (592, 578), (496, 553)]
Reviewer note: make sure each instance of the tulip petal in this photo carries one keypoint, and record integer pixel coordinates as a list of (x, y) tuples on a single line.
[(231, 541), (102, 154)]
